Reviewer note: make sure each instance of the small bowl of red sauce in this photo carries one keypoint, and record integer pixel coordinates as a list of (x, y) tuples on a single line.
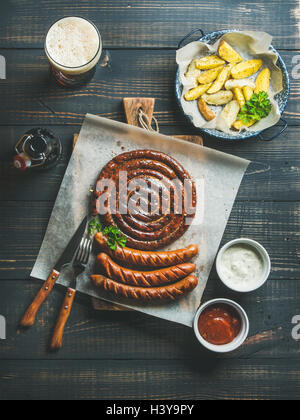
[(221, 325)]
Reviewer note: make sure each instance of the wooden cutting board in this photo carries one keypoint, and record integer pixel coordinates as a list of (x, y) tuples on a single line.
[(131, 108)]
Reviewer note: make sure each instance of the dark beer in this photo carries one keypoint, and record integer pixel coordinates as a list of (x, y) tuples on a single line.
[(73, 47)]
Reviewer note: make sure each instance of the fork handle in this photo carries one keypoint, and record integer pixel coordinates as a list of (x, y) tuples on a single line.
[(30, 315), (57, 338)]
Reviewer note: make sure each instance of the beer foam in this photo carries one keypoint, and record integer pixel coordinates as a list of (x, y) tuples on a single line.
[(72, 42)]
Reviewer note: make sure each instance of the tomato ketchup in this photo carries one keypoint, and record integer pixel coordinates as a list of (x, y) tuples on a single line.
[(220, 324)]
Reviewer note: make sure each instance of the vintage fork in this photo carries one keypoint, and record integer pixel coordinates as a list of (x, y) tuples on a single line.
[(79, 265)]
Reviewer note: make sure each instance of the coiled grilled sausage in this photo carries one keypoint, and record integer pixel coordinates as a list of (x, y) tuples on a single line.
[(171, 292), (137, 258), (148, 195), (144, 278)]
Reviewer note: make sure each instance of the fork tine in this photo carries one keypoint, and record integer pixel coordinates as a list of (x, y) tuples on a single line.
[(88, 251), (82, 257), (79, 251), (84, 250)]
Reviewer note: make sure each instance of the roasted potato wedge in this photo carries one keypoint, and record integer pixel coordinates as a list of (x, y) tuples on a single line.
[(229, 114), (219, 98), (209, 62), (246, 69), (196, 92), (234, 83), (205, 110), (263, 81), (192, 72), (228, 53), (248, 92), (239, 96), (221, 80), (209, 76), (239, 125)]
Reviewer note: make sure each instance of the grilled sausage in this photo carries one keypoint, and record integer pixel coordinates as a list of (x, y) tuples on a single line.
[(171, 292), (148, 195), (138, 258), (144, 278)]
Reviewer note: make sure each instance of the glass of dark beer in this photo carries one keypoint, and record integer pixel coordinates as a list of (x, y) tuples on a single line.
[(73, 47)]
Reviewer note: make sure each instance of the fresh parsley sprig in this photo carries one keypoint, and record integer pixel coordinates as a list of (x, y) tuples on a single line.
[(258, 107), (115, 237), (94, 227), (113, 234)]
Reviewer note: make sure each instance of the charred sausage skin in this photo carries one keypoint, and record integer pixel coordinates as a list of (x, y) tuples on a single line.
[(143, 278), (138, 258), (170, 292), (162, 178)]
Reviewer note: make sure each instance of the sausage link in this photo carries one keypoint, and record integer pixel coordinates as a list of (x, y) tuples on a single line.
[(139, 258), (171, 292), (144, 278), (170, 188)]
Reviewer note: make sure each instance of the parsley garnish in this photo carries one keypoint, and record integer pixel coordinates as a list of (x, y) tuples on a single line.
[(115, 237), (113, 234), (257, 108), (94, 227)]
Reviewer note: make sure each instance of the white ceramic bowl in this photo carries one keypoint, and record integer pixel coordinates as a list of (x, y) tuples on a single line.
[(240, 339), (261, 251)]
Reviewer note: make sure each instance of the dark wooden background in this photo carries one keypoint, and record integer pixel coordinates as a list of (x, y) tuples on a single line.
[(129, 355)]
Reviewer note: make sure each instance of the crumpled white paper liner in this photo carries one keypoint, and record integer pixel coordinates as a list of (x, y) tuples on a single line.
[(218, 177)]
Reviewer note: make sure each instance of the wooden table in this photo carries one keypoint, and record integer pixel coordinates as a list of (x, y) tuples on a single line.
[(128, 355)]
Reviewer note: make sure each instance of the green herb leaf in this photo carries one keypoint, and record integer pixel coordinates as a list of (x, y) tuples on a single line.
[(257, 108), (115, 237), (122, 242), (94, 227)]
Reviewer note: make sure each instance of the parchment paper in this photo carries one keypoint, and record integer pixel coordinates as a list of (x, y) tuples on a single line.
[(217, 175), (250, 45)]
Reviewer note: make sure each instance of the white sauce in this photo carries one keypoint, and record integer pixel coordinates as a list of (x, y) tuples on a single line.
[(242, 267)]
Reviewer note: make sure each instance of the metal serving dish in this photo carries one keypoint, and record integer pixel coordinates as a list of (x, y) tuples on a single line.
[(281, 98)]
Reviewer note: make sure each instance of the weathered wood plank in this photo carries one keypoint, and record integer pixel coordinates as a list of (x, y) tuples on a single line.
[(187, 371), (139, 379), (144, 23), (31, 98), (93, 335), (276, 225), (276, 167)]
